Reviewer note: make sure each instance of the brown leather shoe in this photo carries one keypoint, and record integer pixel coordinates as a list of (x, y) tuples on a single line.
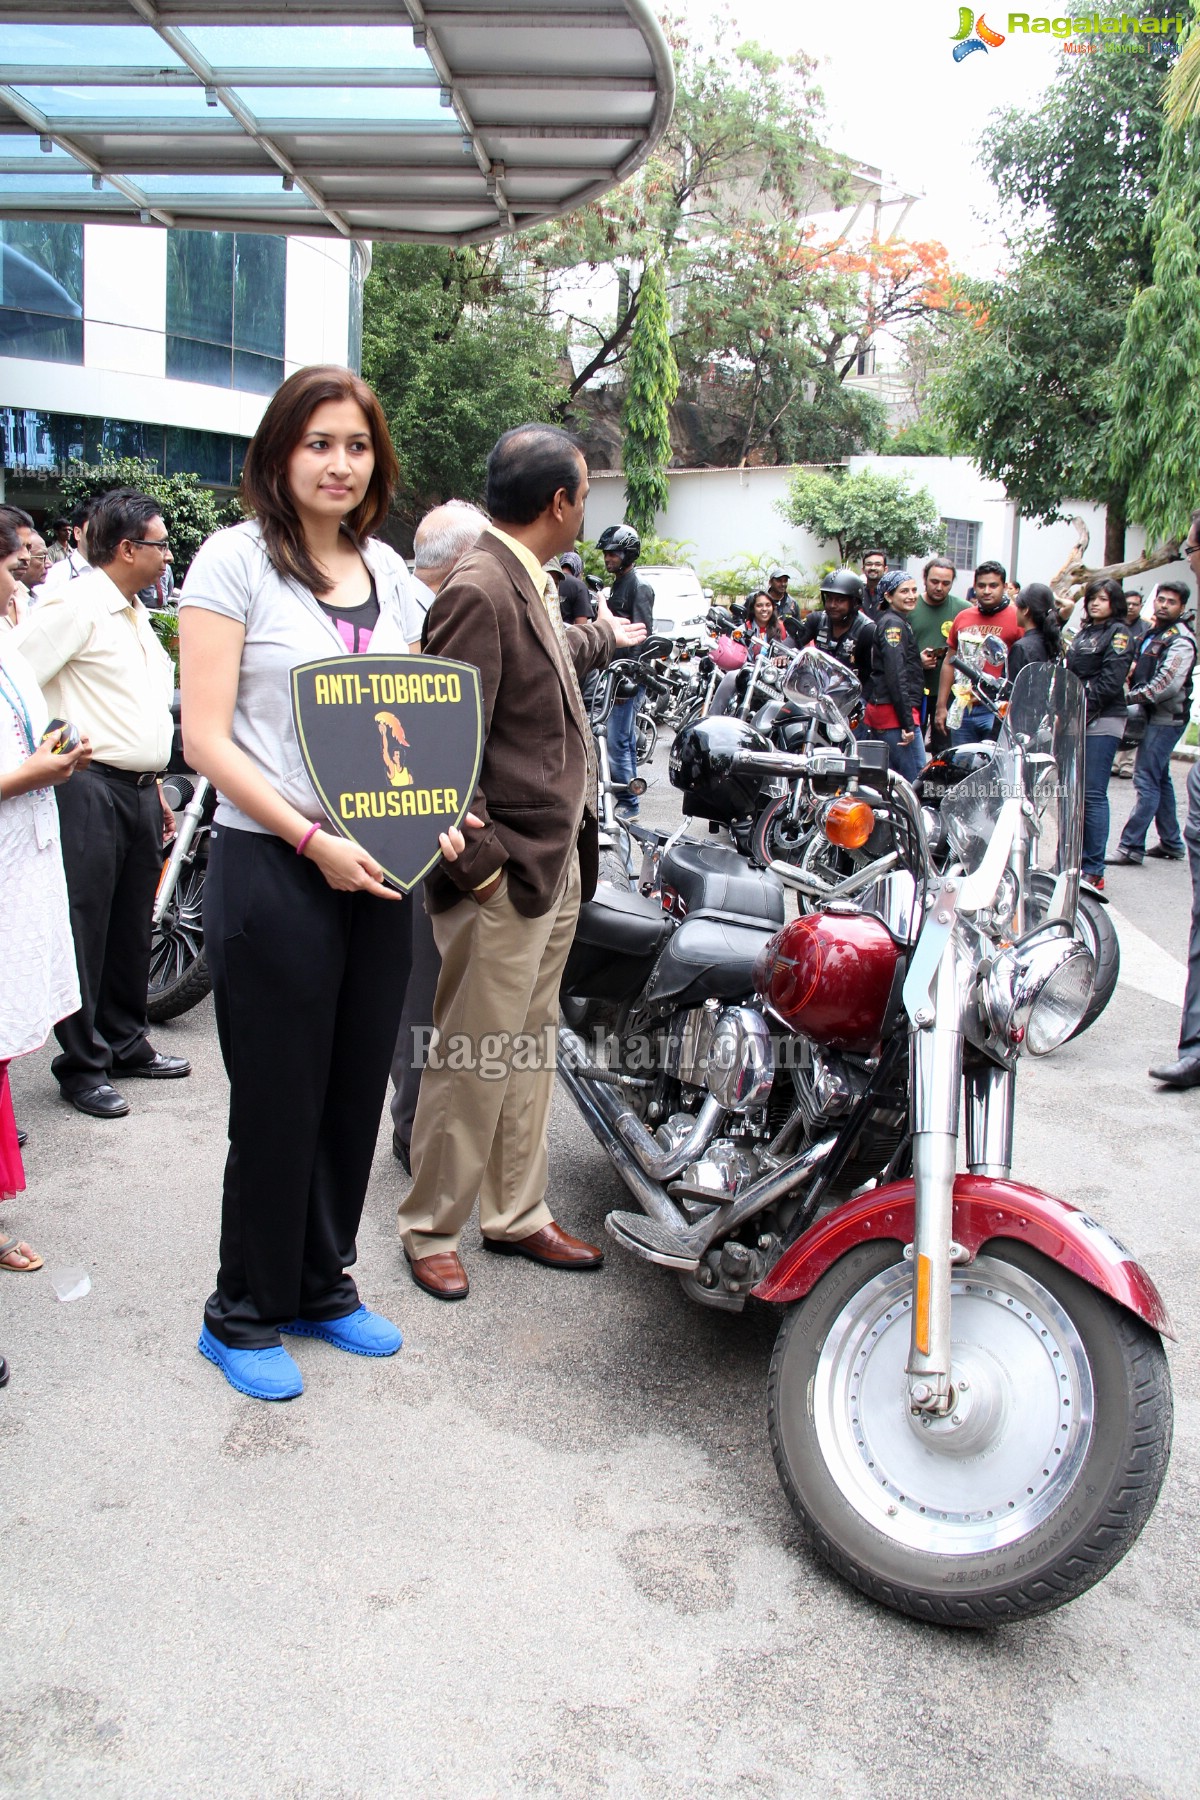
[(441, 1275), (552, 1246)]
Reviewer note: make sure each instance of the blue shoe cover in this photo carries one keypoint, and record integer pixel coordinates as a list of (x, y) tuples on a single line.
[(263, 1374), (361, 1332)]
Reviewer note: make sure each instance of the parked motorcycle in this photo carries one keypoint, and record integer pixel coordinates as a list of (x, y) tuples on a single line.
[(969, 1402), (179, 974)]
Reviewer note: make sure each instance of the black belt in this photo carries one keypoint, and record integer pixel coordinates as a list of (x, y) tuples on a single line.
[(129, 776)]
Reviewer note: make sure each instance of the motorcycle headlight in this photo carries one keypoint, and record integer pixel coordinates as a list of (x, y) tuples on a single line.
[(1035, 994), (741, 1062)]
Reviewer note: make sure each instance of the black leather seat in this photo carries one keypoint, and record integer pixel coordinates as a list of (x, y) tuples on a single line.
[(712, 878), (707, 958)]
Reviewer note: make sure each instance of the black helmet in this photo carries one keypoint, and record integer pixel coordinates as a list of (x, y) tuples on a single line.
[(702, 765), (845, 582), (624, 540)]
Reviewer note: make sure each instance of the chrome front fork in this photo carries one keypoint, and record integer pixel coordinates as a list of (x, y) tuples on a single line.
[(936, 1087)]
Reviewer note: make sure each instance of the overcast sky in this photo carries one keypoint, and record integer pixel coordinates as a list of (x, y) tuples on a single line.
[(896, 97)]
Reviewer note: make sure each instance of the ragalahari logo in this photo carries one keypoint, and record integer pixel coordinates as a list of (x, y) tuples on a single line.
[(973, 34)]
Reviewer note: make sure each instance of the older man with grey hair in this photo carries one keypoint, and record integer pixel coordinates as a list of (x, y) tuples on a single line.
[(444, 534)]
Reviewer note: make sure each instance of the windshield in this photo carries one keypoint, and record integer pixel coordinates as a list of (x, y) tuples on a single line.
[(1039, 759), (814, 677)]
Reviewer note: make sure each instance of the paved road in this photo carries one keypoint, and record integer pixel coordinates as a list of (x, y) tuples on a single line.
[(543, 1552)]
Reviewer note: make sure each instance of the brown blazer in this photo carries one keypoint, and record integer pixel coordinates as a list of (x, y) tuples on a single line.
[(532, 786)]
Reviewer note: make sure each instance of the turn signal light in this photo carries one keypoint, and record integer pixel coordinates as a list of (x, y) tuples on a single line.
[(849, 823)]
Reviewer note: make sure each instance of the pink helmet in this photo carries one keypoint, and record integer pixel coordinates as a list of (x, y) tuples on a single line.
[(728, 655)]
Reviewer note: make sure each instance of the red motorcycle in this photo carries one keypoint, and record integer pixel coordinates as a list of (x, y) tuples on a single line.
[(969, 1402)]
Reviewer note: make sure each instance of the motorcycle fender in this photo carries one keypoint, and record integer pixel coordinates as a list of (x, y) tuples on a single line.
[(984, 1208)]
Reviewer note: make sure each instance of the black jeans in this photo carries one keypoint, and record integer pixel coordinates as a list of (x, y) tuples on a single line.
[(308, 984), (112, 854)]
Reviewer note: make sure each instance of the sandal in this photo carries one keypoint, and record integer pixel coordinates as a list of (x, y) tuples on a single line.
[(29, 1258)]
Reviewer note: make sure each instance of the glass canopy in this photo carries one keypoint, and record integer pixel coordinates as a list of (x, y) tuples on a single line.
[(445, 123)]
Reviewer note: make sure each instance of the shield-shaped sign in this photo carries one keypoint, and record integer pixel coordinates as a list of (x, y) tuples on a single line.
[(392, 744)]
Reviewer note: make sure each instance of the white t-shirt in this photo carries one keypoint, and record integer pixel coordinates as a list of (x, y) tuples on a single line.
[(233, 575)]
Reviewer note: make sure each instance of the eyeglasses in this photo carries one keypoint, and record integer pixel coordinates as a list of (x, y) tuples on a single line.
[(163, 544), (1189, 549)]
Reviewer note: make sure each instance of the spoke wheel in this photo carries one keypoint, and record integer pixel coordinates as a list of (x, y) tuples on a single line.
[(179, 977), (1038, 1481)]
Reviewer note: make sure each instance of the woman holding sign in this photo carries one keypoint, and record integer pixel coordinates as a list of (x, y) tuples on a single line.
[(309, 950)]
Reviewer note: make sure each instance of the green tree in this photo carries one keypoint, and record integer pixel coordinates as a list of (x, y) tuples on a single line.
[(857, 511), (651, 384), (459, 346), (1156, 430), (1031, 386), (191, 512)]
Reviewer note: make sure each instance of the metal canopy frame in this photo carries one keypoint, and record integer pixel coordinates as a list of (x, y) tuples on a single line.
[(481, 119)]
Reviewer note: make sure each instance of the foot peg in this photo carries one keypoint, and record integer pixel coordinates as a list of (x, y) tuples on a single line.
[(651, 1241)]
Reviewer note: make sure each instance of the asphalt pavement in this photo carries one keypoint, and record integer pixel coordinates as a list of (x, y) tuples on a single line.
[(542, 1552)]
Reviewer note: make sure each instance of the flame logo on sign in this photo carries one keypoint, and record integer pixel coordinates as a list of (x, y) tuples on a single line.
[(393, 744), (973, 34)]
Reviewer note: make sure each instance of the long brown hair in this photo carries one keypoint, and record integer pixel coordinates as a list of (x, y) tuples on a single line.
[(265, 491)]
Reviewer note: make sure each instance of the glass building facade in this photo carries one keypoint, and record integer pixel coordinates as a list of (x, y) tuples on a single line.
[(41, 291), (225, 309), (38, 446)]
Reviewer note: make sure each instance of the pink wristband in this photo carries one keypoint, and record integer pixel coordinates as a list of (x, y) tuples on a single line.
[(302, 846)]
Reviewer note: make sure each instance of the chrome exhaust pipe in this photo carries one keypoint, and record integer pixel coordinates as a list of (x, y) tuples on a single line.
[(595, 1104), (651, 1158)]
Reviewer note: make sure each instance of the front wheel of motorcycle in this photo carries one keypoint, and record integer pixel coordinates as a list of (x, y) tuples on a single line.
[(179, 974), (1029, 1492), (777, 837)]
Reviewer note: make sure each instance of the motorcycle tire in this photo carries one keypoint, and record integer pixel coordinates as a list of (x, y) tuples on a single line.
[(1097, 931), (1041, 1487), (776, 837), (179, 973), (615, 862), (647, 737)]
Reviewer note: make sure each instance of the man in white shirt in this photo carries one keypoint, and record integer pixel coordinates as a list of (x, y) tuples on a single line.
[(94, 652), (75, 562)]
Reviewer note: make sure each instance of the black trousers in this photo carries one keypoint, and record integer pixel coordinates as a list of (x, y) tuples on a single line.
[(308, 984), (112, 854)]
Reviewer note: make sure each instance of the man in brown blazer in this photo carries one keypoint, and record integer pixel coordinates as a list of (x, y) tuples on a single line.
[(504, 913)]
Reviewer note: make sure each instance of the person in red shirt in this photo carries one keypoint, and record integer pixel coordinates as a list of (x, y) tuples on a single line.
[(992, 615)]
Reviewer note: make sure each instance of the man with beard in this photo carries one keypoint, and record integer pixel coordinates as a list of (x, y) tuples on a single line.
[(930, 624)]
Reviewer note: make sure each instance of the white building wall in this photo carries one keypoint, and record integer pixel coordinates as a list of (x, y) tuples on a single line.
[(727, 515), (318, 302)]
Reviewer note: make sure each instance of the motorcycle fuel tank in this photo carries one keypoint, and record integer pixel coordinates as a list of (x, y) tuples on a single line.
[(829, 977)]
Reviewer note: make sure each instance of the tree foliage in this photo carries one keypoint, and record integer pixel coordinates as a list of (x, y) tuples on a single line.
[(191, 512), (459, 346), (858, 511), (767, 319), (1156, 430), (651, 384), (1031, 385)]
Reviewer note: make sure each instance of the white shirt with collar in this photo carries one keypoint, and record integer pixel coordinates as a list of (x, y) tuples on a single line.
[(100, 666), (61, 575)]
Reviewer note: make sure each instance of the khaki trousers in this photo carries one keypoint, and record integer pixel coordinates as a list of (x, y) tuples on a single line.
[(484, 1109)]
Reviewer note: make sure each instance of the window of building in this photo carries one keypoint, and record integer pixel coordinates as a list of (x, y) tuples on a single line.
[(41, 291), (225, 308), (354, 330), (37, 446), (962, 541), (866, 361)]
